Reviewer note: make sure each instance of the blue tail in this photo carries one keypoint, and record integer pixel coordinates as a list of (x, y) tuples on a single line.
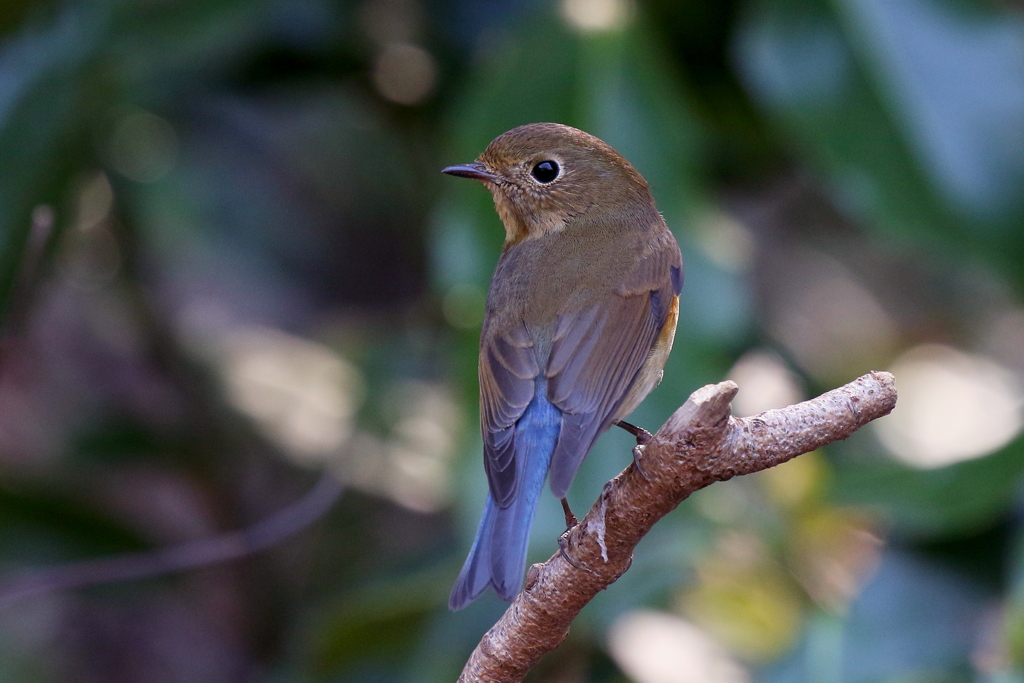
[(498, 555)]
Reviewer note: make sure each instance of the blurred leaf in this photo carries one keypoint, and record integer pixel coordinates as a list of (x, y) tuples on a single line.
[(751, 605), (949, 500), (918, 131), (43, 92), (1013, 619), (912, 622), (450, 637), (380, 621), (166, 53), (914, 619), (271, 180)]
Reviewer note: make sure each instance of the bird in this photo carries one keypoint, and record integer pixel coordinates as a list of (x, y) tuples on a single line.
[(579, 320)]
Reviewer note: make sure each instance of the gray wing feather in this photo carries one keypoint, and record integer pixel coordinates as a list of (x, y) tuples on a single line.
[(508, 367)]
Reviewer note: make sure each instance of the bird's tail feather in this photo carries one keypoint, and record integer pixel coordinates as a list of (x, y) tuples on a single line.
[(498, 555)]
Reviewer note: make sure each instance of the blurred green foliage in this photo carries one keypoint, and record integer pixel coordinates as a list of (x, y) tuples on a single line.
[(228, 262)]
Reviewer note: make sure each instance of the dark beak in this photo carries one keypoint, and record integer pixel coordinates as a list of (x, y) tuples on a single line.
[(476, 171)]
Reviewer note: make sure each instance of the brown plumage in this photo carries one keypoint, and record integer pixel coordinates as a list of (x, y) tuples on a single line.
[(580, 319)]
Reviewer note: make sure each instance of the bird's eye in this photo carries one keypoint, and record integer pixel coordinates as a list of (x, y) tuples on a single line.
[(545, 171)]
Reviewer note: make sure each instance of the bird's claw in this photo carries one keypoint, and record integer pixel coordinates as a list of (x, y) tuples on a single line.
[(563, 549), (638, 451)]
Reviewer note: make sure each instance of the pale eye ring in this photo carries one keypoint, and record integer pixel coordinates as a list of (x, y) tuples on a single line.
[(545, 171)]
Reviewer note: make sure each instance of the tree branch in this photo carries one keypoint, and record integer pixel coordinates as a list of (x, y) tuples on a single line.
[(185, 556), (701, 443)]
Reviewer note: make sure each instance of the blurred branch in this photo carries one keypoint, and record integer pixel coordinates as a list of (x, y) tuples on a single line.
[(186, 556), (27, 276), (701, 443)]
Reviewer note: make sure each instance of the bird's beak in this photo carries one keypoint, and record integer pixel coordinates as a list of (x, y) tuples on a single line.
[(476, 171)]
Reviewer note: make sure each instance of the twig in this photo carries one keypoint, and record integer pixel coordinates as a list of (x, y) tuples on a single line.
[(698, 445), (191, 555)]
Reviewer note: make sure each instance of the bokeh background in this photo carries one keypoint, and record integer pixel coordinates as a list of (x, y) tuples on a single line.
[(229, 266)]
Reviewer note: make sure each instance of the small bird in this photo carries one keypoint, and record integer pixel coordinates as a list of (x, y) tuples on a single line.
[(580, 318)]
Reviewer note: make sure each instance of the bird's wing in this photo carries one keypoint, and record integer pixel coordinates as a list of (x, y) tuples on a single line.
[(508, 368), (598, 352)]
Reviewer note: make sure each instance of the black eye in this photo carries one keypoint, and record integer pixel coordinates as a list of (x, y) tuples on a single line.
[(545, 171)]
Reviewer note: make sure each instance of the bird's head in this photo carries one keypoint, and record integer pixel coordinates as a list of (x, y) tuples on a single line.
[(542, 175)]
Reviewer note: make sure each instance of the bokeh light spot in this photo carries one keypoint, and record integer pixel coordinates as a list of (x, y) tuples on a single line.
[(595, 15), (725, 503), (953, 406), (94, 202), (765, 383), (410, 464), (797, 483), (143, 147), (829, 319), (726, 242), (404, 73), (656, 647), (834, 552), (302, 395)]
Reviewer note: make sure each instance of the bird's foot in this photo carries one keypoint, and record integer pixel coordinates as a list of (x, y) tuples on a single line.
[(563, 541), (570, 519), (643, 437)]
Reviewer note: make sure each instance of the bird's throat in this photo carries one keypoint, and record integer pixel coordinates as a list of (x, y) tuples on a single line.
[(519, 228)]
